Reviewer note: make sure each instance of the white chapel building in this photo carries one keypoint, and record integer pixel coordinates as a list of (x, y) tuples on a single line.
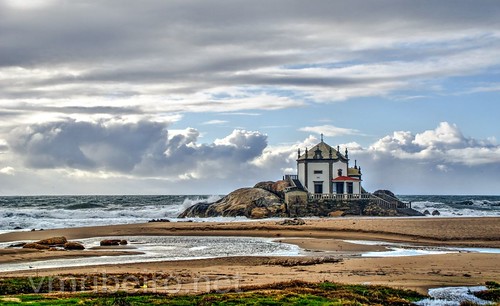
[(324, 170)]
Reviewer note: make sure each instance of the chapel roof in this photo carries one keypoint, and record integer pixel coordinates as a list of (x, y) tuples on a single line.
[(345, 178), (353, 171), (325, 150)]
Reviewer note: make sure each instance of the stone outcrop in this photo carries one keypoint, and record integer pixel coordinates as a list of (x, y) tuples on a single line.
[(73, 246), (36, 246), (59, 241), (336, 213), (294, 221), (113, 242), (278, 187), (382, 193), (375, 210), (253, 203), (267, 199)]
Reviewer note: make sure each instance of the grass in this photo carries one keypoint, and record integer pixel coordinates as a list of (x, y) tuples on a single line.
[(492, 293), (287, 293)]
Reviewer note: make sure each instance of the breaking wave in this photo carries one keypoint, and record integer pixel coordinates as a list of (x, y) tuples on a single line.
[(456, 206), (24, 213)]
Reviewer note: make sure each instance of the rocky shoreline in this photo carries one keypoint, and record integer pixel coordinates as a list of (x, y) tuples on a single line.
[(267, 200)]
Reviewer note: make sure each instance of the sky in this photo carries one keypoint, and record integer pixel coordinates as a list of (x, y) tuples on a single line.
[(203, 97)]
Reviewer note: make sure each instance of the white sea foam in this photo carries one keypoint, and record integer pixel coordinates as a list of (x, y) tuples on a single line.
[(453, 296), (449, 211), (188, 202)]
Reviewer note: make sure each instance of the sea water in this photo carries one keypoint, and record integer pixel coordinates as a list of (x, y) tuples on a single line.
[(456, 205), (46, 212)]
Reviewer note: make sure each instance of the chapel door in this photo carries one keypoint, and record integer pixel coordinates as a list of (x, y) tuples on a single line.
[(339, 187), (318, 187)]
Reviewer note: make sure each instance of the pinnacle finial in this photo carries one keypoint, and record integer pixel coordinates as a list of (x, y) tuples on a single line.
[(321, 137)]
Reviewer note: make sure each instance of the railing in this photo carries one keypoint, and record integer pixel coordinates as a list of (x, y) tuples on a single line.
[(395, 202), (383, 203), (294, 183), (337, 196), (392, 204)]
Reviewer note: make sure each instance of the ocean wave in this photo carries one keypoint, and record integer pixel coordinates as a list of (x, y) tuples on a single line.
[(81, 211), (461, 209), (75, 211)]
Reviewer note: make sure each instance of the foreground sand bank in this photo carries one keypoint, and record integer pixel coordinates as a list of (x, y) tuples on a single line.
[(474, 232), (416, 272)]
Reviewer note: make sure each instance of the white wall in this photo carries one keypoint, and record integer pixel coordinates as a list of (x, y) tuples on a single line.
[(356, 187), (302, 173), (312, 177), (337, 166)]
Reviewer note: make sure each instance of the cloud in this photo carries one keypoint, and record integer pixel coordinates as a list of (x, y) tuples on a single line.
[(79, 77), (86, 145), (3, 146), (241, 56), (432, 161), (445, 134), (329, 130), (444, 143), (109, 154), (140, 149), (7, 170), (214, 122)]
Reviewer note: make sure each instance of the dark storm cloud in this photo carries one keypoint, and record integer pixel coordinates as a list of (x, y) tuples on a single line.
[(142, 148), (179, 41), (84, 145)]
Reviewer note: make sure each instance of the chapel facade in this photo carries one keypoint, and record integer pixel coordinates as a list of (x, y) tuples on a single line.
[(325, 170)]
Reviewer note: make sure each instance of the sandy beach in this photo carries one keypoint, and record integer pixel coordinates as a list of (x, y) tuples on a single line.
[(321, 238)]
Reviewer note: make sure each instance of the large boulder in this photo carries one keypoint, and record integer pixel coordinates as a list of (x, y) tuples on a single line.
[(53, 241), (112, 242), (247, 202), (73, 246), (382, 193), (278, 187)]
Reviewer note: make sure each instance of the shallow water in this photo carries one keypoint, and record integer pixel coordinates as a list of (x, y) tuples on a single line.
[(405, 249), (167, 248), (453, 296)]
